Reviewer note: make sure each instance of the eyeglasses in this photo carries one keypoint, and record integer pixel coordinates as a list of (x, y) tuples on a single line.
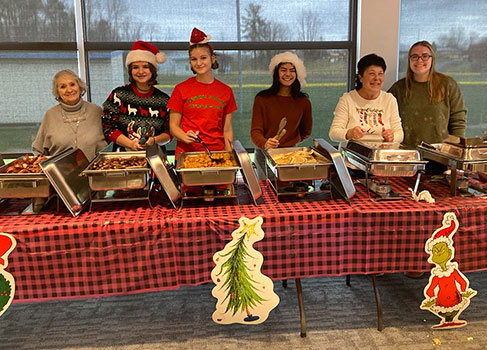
[(424, 57)]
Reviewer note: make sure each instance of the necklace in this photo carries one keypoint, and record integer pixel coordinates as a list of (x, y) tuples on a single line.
[(72, 116)]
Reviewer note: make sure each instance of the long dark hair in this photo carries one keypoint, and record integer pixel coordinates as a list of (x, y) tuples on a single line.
[(365, 62), (153, 78), (274, 89)]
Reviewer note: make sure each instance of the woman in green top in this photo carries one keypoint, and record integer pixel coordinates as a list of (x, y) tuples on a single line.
[(430, 103)]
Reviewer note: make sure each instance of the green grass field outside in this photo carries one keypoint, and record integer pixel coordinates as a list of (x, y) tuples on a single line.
[(323, 96)]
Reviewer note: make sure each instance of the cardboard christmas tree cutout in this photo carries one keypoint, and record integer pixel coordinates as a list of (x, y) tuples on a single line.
[(447, 293), (7, 282), (244, 294)]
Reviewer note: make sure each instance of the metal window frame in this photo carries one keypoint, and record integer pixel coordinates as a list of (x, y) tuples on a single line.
[(82, 46)]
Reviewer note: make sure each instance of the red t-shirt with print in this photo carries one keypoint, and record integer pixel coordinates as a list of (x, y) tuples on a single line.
[(203, 108)]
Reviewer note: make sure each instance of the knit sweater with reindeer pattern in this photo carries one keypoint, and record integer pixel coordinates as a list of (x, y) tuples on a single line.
[(126, 111)]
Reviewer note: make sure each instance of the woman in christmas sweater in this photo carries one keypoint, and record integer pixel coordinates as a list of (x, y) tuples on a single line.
[(202, 105), (367, 113), (135, 115), (430, 103), (283, 99), (73, 123)]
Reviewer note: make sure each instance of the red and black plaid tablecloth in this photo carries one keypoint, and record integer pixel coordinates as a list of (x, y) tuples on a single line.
[(127, 248)]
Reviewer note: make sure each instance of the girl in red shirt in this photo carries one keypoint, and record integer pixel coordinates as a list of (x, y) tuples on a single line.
[(201, 105)]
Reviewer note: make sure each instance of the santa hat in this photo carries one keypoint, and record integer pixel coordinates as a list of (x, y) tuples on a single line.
[(144, 51), (198, 37), (289, 57), (445, 233)]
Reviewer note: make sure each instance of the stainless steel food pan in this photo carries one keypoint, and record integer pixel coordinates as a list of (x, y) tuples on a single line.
[(117, 179), (299, 171), (23, 185), (206, 176), (468, 159), (384, 159)]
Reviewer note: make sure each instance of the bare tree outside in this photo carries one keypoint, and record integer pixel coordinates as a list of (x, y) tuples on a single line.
[(309, 26)]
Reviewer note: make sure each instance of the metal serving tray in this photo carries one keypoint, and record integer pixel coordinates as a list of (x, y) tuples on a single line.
[(247, 170), (339, 178), (164, 172), (23, 185), (463, 158), (298, 171), (117, 179), (206, 176), (384, 159), (63, 171)]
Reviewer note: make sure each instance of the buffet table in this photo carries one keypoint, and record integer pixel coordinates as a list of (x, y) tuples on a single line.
[(123, 247)]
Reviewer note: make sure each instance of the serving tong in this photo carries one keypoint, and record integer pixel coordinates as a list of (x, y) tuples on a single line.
[(210, 154), (281, 131)]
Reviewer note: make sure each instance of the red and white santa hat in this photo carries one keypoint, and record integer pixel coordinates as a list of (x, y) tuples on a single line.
[(289, 57), (146, 52), (445, 233), (199, 37)]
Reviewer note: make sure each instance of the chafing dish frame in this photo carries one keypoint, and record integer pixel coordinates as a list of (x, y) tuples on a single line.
[(209, 176), (390, 161), (25, 185), (308, 173), (435, 153), (117, 179)]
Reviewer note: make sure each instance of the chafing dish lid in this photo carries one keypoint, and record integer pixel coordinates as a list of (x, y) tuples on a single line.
[(1, 160), (383, 152), (466, 142), (342, 183), (247, 170), (63, 172), (164, 172)]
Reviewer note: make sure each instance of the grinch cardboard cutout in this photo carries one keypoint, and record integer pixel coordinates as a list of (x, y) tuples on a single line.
[(7, 282), (244, 294), (447, 293)]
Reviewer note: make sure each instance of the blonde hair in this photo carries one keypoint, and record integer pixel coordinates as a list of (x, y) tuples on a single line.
[(64, 72), (436, 90)]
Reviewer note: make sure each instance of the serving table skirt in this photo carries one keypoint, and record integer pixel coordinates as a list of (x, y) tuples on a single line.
[(123, 248)]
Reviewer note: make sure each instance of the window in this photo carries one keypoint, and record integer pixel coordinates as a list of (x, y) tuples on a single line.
[(458, 30), (245, 34)]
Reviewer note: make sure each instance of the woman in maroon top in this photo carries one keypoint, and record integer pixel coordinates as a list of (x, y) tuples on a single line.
[(283, 99)]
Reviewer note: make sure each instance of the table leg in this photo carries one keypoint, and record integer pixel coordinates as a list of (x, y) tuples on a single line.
[(380, 325), (301, 307), (348, 280), (284, 283)]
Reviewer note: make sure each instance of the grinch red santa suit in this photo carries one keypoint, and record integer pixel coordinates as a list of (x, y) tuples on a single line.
[(447, 283)]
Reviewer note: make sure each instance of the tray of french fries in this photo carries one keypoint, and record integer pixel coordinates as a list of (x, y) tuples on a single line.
[(298, 163)]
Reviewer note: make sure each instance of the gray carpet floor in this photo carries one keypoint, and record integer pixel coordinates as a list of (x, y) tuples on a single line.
[(338, 317)]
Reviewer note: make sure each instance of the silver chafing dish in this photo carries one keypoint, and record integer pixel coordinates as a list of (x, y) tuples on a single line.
[(34, 186), (218, 182), (132, 178), (301, 178), (466, 154), (118, 185), (384, 159), (59, 172)]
